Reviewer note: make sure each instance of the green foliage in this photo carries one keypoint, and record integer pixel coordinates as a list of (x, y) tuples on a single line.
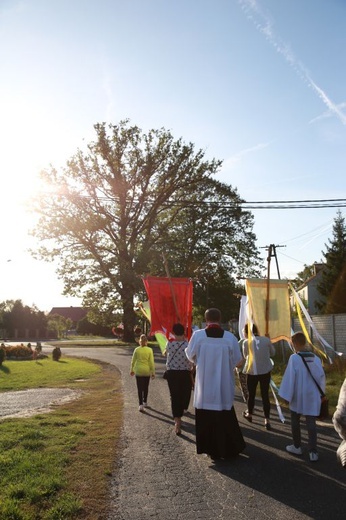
[(333, 279), (127, 199), (14, 315), (59, 324), (86, 326), (303, 276)]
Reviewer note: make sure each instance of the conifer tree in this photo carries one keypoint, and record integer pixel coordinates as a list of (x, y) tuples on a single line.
[(333, 280)]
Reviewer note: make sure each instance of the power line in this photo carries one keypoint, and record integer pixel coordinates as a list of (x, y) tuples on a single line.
[(248, 205)]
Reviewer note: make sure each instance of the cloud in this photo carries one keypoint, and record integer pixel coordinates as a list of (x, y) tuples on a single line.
[(264, 23), (229, 163), (327, 114)]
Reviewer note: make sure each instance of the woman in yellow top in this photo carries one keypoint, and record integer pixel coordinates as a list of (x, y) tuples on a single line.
[(143, 367)]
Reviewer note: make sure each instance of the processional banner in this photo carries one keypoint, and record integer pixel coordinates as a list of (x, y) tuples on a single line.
[(170, 301), (270, 307)]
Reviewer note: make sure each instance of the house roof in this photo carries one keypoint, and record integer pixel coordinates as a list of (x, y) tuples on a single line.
[(318, 268), (74, 313)]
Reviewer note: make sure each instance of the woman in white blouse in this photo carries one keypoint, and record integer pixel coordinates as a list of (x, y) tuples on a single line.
[(178, 375)]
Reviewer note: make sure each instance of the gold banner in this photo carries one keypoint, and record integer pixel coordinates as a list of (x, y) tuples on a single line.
[(270, 307)]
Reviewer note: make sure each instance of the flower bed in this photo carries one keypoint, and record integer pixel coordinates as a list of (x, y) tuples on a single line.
[(21, 353)]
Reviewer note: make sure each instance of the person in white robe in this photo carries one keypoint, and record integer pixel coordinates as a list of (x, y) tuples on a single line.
[(215, 353), (299, 389)]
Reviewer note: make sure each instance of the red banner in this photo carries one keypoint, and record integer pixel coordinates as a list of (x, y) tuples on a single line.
[(170, 302)]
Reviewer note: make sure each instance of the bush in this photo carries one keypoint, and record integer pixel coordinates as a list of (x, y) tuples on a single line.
[(2, 354), (18, 352), (56, 354)]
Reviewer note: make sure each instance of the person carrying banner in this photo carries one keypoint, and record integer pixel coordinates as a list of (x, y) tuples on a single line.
[(258, 368), (143, 367), (178, 375), (215, 352)]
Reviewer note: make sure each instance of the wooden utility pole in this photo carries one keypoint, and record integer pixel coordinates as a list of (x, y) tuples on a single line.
[(271, 252)]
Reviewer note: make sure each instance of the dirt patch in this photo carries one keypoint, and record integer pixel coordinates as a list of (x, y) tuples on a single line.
[(25, 403)]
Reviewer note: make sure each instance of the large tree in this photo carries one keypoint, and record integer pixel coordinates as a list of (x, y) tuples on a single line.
[(333, 279), (14, 315), (111, 213)]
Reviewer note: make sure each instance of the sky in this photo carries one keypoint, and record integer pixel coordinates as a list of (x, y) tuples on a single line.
[(258, 84)]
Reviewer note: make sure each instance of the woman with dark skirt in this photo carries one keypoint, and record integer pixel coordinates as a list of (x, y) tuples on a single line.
[(216, 354), (178, 375)]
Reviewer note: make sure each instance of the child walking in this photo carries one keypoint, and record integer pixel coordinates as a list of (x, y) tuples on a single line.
[(143, 367), (300, 390)]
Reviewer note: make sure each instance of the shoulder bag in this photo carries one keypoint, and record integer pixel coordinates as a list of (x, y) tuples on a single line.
[(324, 411)]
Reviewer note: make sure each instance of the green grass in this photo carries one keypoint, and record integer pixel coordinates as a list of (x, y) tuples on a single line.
[(19, 375), (58, 465)]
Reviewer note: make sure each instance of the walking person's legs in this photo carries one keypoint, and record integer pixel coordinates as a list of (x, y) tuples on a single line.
[(295, 448), (312, 437), (139, 382), (175, 390), (264, 380), (187, 389), (252, 381), (145, 389)]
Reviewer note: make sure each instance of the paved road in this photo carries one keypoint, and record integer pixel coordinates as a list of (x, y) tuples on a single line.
[(161, 477)]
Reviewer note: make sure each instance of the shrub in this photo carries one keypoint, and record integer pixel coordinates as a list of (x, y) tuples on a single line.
[(2, 354), (18, 352), (56, 353)]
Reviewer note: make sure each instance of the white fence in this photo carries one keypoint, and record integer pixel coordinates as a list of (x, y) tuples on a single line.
[(332, 328)]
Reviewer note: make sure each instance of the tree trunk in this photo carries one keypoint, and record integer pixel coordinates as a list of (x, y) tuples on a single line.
[(129, 318)]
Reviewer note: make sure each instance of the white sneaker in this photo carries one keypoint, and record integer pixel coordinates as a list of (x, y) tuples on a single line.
[(313, 456), (292, 449), (145, 405), (141, 408)]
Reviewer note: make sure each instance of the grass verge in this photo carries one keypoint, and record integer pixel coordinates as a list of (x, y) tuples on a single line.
[(59, 465)]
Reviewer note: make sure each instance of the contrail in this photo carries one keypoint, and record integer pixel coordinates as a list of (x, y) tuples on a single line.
[(264, 24)]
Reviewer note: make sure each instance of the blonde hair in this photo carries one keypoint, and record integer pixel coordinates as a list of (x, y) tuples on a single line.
[(143, 340)]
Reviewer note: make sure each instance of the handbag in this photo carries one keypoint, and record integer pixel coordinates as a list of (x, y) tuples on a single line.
[(324, 409)]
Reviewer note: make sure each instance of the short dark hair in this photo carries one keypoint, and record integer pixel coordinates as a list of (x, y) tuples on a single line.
[(212, 315), (299, 339), (178, 329), (254, 329)]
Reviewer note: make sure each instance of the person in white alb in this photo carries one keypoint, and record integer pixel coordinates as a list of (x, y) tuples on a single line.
[(299, 389), (216, 354)]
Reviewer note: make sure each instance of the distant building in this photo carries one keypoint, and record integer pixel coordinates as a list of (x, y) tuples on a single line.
[(75, 314), (308, 291)]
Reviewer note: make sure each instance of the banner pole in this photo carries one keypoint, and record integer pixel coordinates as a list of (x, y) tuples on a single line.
[(171, 287), (268, 291)]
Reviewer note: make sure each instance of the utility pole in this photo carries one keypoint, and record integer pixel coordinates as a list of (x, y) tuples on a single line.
[(271, 252)]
